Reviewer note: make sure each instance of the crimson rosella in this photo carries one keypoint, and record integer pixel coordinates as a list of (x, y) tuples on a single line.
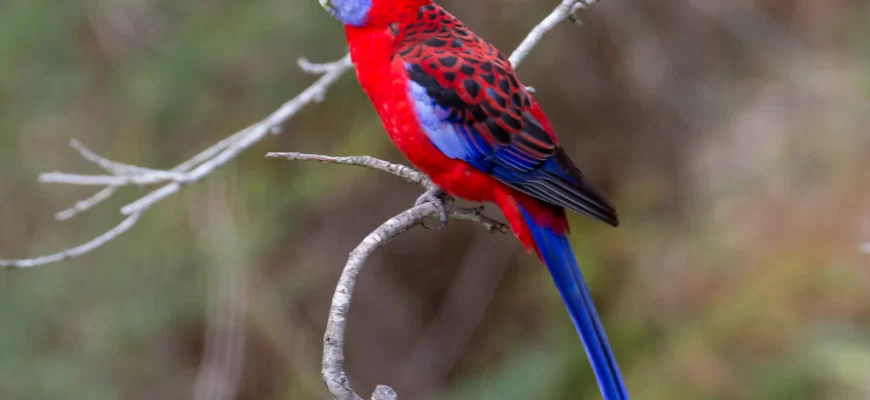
[(454, 107)]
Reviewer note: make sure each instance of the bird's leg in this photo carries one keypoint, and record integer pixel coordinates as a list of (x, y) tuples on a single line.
[(435, 196)]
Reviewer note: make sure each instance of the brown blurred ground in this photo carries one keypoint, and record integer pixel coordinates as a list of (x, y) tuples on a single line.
[(732, 136)]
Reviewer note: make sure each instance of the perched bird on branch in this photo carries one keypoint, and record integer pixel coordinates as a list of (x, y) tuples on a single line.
[(454, 107)]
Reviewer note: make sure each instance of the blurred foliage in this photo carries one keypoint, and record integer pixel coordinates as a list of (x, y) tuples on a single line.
[(732, 135)]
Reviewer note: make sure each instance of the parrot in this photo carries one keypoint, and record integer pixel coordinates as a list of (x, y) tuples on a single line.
[(454, 107)]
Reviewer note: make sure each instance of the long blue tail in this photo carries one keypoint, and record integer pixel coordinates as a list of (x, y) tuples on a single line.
[(556, 253)]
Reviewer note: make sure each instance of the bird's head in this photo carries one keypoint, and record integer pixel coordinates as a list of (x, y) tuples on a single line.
[(370, 13)]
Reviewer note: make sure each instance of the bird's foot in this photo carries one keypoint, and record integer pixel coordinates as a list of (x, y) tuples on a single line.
[(437, 198)]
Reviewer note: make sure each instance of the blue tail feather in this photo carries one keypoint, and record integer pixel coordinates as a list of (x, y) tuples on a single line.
[(556, 253)]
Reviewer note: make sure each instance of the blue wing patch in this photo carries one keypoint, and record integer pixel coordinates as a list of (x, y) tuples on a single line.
[(454, 143), (524, 158)]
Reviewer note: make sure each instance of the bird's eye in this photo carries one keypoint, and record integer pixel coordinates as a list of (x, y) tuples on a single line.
[(394, 28)]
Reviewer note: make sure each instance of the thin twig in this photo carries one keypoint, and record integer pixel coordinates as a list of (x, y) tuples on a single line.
[(86, 204), (114, 167), (105, 180), (399, 170), (111, 234), (189, 171), (185, 166), (564, 10), (255, 133)]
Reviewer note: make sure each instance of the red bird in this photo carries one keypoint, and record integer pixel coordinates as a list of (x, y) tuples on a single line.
[(454, 107)]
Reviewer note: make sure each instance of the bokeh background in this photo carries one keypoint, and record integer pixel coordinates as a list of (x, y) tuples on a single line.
[(732, 135)]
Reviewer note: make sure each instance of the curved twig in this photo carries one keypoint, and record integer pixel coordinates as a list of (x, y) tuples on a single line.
[(333, 341)]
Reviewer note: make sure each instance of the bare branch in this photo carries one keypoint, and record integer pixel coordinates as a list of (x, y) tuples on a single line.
[(114, 167), (319, 68), (86, 204), (559, 14), (399, 170), (189, 171), (105, 180), (253, 134), (124, 226), (104, 194)]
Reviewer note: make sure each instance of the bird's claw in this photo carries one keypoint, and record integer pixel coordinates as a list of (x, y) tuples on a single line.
[(437, 198)]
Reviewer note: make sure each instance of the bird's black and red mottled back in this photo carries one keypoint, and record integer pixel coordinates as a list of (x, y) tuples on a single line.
[(473, 107)]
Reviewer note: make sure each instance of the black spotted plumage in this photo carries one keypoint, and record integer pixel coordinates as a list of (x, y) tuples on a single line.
[(492, 112)]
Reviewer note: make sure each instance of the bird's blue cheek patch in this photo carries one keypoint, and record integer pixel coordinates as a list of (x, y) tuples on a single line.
[(351, 12)]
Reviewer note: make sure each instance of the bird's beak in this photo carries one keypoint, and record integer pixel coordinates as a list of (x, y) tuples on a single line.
[(326, 4)]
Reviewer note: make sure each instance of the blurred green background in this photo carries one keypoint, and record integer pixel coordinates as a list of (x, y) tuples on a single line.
[(732, 135)]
